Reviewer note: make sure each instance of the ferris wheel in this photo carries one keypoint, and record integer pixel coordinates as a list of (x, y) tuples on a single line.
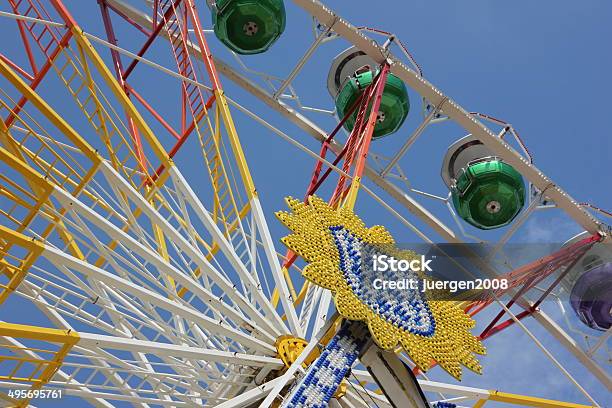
[(142, 265)]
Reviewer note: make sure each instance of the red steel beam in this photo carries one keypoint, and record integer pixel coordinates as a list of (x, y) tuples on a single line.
[(40, 75), (24, 38), (129, 20), (118, 65), (153, 112), (505, 324), (204, 49), (564, 257), (186, 131), (315, 181), (157, 29), (518, 294), (16, 67), (362, 102)]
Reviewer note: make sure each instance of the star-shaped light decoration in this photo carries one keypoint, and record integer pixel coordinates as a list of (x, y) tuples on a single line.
[(336, 243)]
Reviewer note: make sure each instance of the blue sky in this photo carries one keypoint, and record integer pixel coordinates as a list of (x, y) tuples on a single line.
[(544, 66)]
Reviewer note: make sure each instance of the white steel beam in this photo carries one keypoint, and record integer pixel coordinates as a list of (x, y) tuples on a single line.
[(322, 310), (250, 397), (572, 345), (353, 399), (55, 316), (19, 348), (205, 266), (275, 269), (61, 260), (357, 392), (394, 378), (434, 386), (301, 63), (289, 375), (91, 340), (410, 141), (164, 267), (268, 245)]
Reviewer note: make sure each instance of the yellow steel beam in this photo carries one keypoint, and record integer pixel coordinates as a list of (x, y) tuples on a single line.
[(215, 247), (122, 98), (34, 249), (48, 112), (232, 134), (162, 249), (23, 168), (31, 175), (528, 401), (43, 368), (39, 186), (77, 187), (351, 198), (18, 238), (44, 190), (292, 292), (99, 111), (38, 333)]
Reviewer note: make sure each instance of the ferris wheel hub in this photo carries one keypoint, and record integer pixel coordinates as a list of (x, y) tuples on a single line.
[(289, 349), (249, 26)]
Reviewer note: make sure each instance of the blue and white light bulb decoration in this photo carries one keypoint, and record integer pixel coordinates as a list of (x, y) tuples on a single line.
[(324, 376)]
